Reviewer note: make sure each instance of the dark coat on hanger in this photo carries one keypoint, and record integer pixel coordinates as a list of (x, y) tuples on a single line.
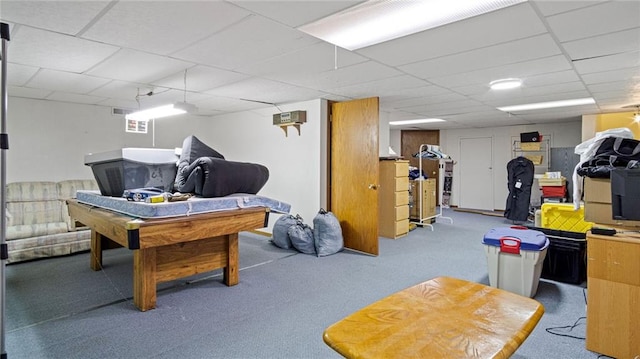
[(520, 171)]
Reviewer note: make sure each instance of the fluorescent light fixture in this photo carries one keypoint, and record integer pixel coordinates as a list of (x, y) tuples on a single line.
[(552, 104), (177, 108), (376, 21), (505, 84), (414, 122)]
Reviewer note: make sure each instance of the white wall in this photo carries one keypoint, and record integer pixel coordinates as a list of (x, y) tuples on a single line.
[(48, 141), (562, 135), (296, 163)]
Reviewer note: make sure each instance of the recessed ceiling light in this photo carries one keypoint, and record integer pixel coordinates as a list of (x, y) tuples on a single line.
[(505, 84), (552, 104), (413, 122), (376, 21)]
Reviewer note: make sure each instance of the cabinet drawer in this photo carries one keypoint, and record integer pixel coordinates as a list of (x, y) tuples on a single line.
[(402, 227), (401, 198), (402, 169), (402, 212), (402, 184)]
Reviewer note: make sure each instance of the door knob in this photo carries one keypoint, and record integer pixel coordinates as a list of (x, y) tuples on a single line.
[(373, 186)]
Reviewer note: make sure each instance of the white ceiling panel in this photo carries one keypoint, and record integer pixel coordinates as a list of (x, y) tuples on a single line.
[(296, 13), (614, 43), (498, 55), (34, 47), (606, 63), (520, 70), (548, 8), (19, 74), (319, 57), (75, 98), (256, 89), (381, 87), (201, 78), (157, 23), (67, 17), (345, 76), (65, 81), (469, 34), (235, 50), (20, 91), (121, 90), (631, 74), (252, 40), (610, 16), (136, 66)]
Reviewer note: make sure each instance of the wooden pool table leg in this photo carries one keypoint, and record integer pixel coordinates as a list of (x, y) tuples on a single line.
[(144, 278), (96, 251), (231, 276)]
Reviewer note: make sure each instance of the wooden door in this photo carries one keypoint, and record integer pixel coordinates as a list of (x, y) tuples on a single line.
[(476, 173), (354, 172), (410, 141)]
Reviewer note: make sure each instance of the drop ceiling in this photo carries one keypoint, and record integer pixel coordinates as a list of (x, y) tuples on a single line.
[(228, 56)]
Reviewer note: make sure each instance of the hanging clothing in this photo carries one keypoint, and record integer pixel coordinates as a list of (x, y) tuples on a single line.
[(520, 171)]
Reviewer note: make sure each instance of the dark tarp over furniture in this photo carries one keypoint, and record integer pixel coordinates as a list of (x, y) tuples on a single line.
[(205, 172)]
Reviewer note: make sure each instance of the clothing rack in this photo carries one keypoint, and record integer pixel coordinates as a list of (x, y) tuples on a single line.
[(436, 155)]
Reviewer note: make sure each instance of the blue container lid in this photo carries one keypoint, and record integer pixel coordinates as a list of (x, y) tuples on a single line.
[(530, 240)]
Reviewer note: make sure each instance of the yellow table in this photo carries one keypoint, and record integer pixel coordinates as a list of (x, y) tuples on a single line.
[(165, 249), (440, 318)]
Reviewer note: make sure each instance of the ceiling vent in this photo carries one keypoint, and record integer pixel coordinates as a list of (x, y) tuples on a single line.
[(120, 111)]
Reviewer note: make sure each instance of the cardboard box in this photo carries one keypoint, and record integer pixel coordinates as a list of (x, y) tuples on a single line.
[(597, 190), (597, 203)]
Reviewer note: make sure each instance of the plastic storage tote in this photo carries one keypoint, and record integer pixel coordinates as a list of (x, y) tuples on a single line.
[(514, 258)]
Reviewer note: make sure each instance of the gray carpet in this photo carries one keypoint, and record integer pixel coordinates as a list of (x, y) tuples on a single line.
[(59, 308)]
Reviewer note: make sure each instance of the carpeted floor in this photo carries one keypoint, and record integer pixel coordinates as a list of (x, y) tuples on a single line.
[(59, 308)]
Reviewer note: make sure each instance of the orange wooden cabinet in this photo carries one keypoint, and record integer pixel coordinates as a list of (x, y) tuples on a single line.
[(393, 198)]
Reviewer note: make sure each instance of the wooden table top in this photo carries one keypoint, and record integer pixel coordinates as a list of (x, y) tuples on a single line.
[(440, 318)]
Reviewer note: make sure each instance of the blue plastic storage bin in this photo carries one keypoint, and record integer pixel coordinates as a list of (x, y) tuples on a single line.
[(514, 258)]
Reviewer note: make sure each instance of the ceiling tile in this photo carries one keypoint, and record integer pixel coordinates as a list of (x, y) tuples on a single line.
[(252, 40), (15, 91), (380, 87), (344, 76), (19, 74), (136, 66), (256, 89), (492, 56), (630, 74), (521, 70), (469, 34), (548, 8), (525, 92), (65, 81), (610, 16), (67, 17), (121, 90), (55, 51), (319, 57), (608, 63), (623, 41), (201, 78), (296, 13), (75, 98), (157, 21)]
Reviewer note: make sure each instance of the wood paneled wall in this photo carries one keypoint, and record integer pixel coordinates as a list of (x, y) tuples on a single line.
[(410, 141)]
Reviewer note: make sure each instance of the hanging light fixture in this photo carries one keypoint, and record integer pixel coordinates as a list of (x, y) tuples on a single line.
[(177, 108)]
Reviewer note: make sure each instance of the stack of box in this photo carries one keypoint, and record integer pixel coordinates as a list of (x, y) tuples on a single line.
[(597, 203), (553, 184)]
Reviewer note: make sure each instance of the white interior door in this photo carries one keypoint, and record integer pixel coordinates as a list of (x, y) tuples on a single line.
[(476, 173)]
